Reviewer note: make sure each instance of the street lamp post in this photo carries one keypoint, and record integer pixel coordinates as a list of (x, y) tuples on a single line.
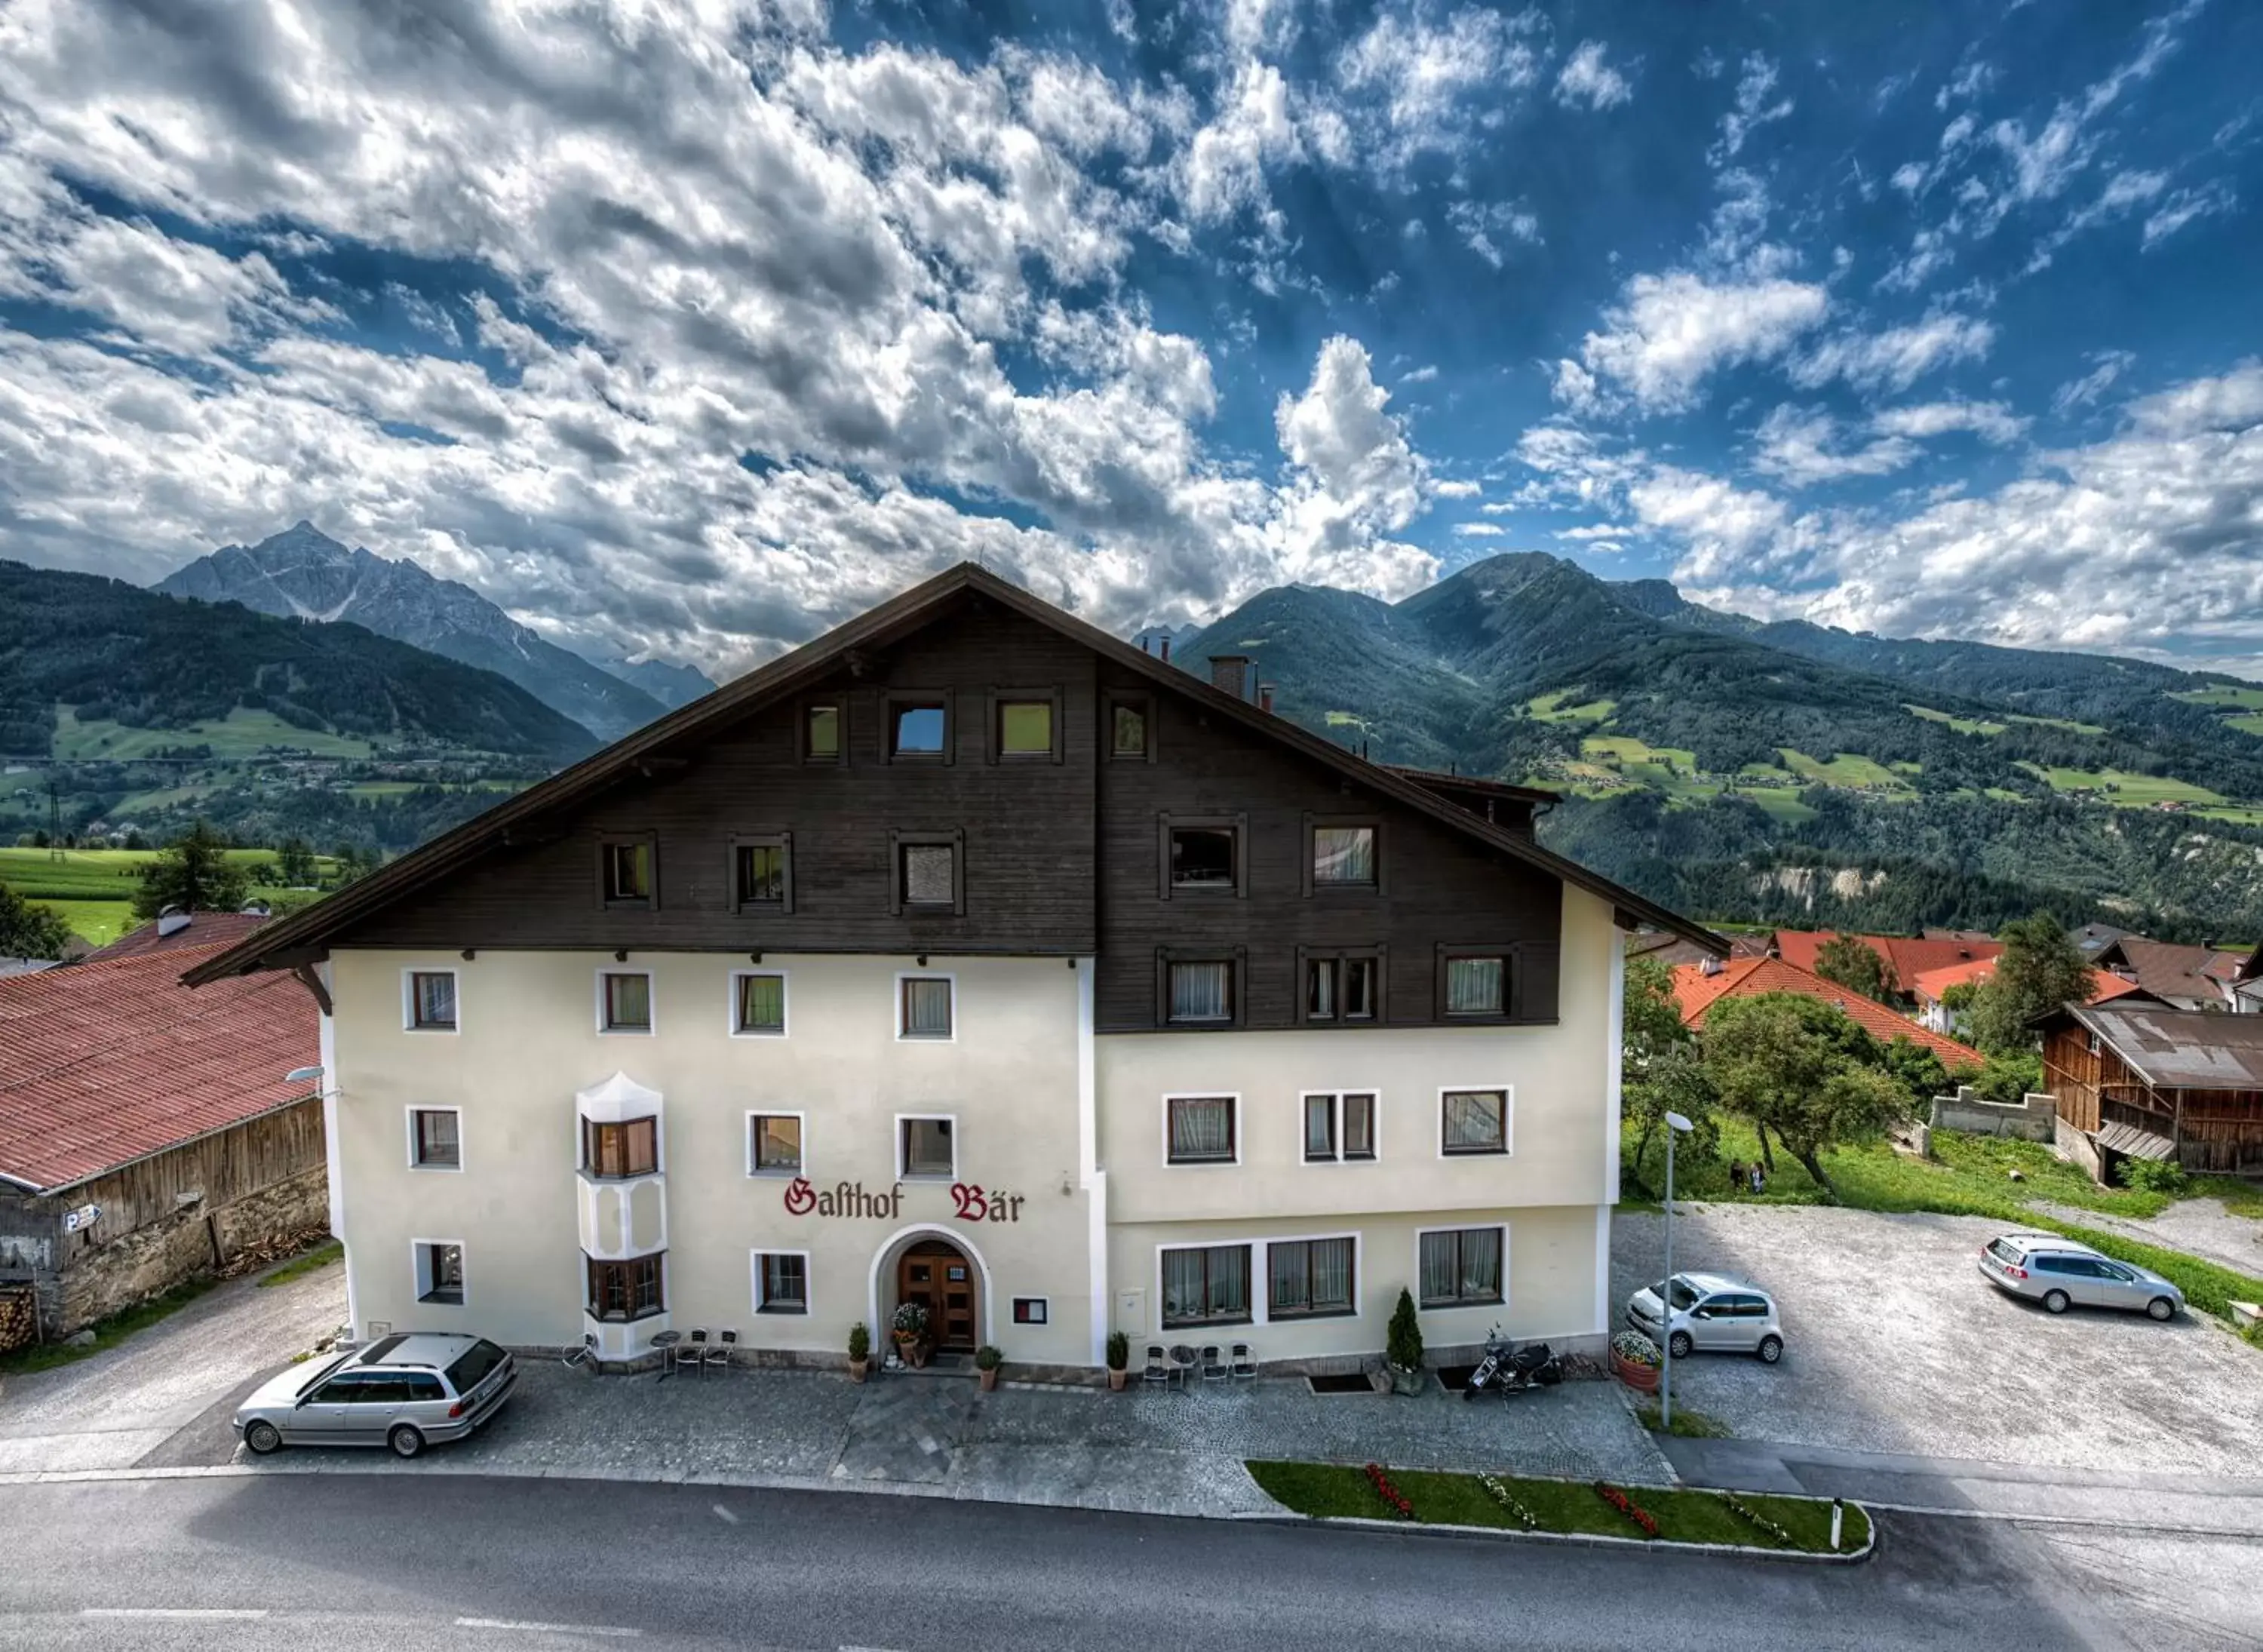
[(1675, 1124)]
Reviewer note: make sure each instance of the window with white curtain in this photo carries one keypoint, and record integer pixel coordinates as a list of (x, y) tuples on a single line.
[(433, 1000), (1201, 1129), (1309, 1277), (926, 1007), (1476, 1121), (1339, 1126), (1343, 857), (1206, 1285), (1461, 1266), (1201, 992), (1476, 986)]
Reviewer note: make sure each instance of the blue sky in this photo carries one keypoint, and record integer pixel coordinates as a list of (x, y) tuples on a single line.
[(691, 329)]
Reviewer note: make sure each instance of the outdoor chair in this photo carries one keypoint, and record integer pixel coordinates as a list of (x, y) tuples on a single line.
[(692, 1351), (1213, 1364), (1158, 1368), (718, 1352), (1244, 1368)]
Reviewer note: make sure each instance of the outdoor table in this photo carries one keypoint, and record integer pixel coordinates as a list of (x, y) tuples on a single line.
[(664, 1341)]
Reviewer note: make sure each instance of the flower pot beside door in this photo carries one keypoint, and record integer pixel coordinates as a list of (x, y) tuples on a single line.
[(987, 1361), (860, 1352), (908, 1330)]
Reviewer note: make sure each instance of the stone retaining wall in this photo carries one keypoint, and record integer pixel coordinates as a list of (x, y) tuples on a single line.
[(2033, 1118)]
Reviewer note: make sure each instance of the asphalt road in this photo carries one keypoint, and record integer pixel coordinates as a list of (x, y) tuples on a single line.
[(391, 1563)]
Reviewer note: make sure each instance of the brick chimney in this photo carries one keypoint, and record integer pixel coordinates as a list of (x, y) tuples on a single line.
[(1230, 673), (1265, 697)]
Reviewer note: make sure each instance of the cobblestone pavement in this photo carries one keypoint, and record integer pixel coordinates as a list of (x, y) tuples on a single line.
[(1894, 1343), (111, 1408)]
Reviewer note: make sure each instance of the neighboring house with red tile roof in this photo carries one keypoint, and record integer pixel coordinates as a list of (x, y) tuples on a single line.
[(1932, 987), (148, 1131), (1905, 957), (176, 931), (1697, 990)]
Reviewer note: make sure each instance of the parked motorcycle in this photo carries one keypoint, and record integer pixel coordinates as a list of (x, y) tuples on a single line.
[(1508, 1369)]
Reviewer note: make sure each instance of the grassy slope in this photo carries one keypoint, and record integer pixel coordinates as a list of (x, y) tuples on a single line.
[(93, 888), (243, 733)]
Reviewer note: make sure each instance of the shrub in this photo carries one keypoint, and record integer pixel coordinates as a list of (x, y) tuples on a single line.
[(860, 1342), (2151, 1176), (988, 1358), (1119, 1351), (1403, 1344)]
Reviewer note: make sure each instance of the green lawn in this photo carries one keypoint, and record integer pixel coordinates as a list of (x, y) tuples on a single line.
[(2247, 723), (320, 1256), (243, 733), (1551, 708), (1334, 1490), (1625, 748), (2247, 698), (93, 888), (1779, 802), (2131, 791), (1844, 768), (1963, 725)]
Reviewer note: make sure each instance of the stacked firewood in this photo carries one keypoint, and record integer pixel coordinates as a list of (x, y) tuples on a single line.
[(19, 1319), (251, 1259)]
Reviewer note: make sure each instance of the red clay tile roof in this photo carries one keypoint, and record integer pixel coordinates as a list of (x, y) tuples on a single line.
[(104, 1063), (1930, 985), (205, 929), (1906, 958), (1697, 992)]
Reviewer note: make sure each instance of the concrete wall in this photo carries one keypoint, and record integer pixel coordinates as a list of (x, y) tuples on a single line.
[(2077, 1149), (2033, 1118)]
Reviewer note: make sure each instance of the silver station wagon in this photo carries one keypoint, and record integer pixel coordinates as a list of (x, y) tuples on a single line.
[(2060, 1274), (1713, 1313), (402, 1393)]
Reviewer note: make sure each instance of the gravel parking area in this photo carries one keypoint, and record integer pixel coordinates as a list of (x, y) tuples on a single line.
[(1894, 1343)]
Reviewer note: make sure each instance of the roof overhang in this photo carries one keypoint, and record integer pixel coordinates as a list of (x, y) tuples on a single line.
[(655, 750)]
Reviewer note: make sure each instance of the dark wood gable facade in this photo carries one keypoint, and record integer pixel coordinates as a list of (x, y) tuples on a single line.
[(1063, 854)]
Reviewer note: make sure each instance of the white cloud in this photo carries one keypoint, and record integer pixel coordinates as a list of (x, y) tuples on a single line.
[(2185, 205), (1354, 480), (1430, 83), (1751, 111), (1458, 489), (1480, 530), (2084, 392), (1897, 357), (1670, 332), (1800, 446), (1586, 78), (1483, 226), (1989, 421)]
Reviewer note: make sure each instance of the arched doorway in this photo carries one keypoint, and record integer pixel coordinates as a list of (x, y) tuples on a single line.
[(943, 1279)]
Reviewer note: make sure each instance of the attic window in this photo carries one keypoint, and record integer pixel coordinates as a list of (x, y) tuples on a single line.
[(820, 732), (919, 728), (626, 868)]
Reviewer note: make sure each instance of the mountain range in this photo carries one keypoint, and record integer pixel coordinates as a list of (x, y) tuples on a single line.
[(302, 573)]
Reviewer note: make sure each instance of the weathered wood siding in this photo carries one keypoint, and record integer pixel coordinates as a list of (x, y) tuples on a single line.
[(2215, 1130)]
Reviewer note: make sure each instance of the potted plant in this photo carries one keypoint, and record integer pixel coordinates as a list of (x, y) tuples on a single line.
[(860, 1352), (1634, 1361), (987, 1361), (1402, 1347), (909, 1329), (1119, 1358)]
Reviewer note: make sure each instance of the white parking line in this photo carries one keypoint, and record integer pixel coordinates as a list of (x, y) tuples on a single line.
[(548, 1628), (724, 1514), (200, 1613)]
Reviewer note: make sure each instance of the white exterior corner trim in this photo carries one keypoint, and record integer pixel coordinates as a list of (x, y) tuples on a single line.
[(1091, 1177), (1616, 1046)]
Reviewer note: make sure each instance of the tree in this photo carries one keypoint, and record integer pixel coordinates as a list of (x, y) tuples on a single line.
[(1799, 1066), (194, 873), (28, 930), (1922, 1073), (2039, 969), (294, 863), (1853, 963), (1659, 1069)]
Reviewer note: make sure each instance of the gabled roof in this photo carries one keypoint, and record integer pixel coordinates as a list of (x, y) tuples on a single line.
[(107, 1062), (1929, 986), (1905, 957), (2179, 1049), (300, 937), (203, 928), (1697, 992), (2167, 970)]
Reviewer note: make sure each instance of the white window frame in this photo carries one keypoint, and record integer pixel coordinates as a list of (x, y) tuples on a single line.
[(896, 1007), (1262, 1264), (651, 1002), (1258, 1298), (785, 1006), (802, 1120), (1507, 1121), (902, 1173), (808, 1284), (408, 1001), (1232, 1096), (1501, 1307), (1374, 1091), (421, 1278), (457, 1168)]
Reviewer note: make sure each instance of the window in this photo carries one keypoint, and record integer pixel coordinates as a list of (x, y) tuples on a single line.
[(1461, 1266), (1128, 727), (924, 1007), (434, 1143), (1342, 987), (439, 1271), (627, 867), (927, 875), (624, 1001), (1343, 858), (758, 1005), (1339, 1126), (919, 727), (1477, 984), (626, 1290), (1199, 1129), (761, 872), (1475, 1121), (821, 732), (781, 1282), (1206, 1285), (1201, 992), (611, 1151), (925, 1149), (1032, 1310), (1308, 1278), (1203, 856), (774, 1144), (1025, 724), (433, 1000)]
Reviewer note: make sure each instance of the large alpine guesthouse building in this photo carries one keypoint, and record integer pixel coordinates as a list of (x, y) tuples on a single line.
[(968, 955)]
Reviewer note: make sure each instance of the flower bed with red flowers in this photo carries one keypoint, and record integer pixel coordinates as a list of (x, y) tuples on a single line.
[(1390, 1493), (1627, 1507)]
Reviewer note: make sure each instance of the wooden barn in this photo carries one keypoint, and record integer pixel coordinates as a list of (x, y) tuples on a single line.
[(2146, 1081)]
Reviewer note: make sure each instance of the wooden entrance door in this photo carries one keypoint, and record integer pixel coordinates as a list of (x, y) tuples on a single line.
[(939, 1278)]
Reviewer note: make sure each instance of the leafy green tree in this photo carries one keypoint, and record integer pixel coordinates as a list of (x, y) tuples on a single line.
[(194, 873), (28, 930), (2041, 968), (294, 862), (1660, 1068), (1798, 1066), (1851, 963), (1922, 1074), (2008, 1075)]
